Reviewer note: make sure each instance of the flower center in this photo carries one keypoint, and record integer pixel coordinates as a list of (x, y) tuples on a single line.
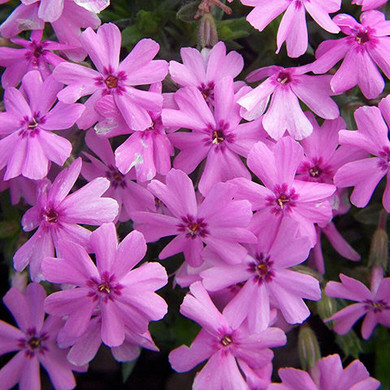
[(33, 343), (116, 178), (226, 340), (385, 158), (262, 268), (218, 137), (362, 37), (376, 306), (193, 227), (30, 126), (314, 172), (283, 200), (104, 289), (111, 81), (283, 78), (207, 90), (50, 216)]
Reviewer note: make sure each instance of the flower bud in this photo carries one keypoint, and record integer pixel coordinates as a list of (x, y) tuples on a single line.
[(308, 347), (208, 35), (379, 244), (326, 307)]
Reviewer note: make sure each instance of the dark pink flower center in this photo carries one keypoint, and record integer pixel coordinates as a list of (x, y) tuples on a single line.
[(283, 200), (362, 36), (207, 91), (30, 126), (226, 340), (376, 306), (116, 178), (262, 268), (384, 161), (33, 343), (193, 227), (107, 288), (316, 171), (219, 136), (111, 81), (50, 216), (283, 77)]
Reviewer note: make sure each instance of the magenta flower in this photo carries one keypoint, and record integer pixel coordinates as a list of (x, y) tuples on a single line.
[(114, 78), (372, 138), (124, 296), (267, 278), (221, 229), (369, 4), (35, 343), (129, 195), (366, 47), (203, 69), (35, 55), (374, 304), (217, 134), (283, 196), (29, 143), (66, 17), (328, 374), (293, 28), (57, 217), (225, 342), (287, 85)]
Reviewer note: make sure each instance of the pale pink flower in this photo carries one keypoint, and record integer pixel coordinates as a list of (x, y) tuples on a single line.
[(34, 342), (366, 48), (292, 27), (28, 123), (369, 4), (286, 86), (58, 217), (124, 296), (225, 342)]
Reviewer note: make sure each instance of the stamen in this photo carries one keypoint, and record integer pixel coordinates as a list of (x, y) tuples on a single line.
[(226, 340), (111, 81)]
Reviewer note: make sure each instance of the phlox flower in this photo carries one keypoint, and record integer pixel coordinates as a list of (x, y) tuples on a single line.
[(129, 195), (124, 296), (28, 123), (371, 137), (114, 78), (67, 17), (20, 188), (366, 48), (217, 134), (292, 27), (373, 304), (267, 278), (369, 4), (35, 55), (203, 69), (219, 221), (282, 196), (286, 86), (34, 342), (327, 374), (225, 342), (57, 217)]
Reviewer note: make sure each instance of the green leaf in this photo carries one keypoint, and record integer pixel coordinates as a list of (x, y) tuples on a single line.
[(233, 29), (127, 368), (188, 11), (9, 229), (350, 344), (369, 215), (131, 35), (382, 357)]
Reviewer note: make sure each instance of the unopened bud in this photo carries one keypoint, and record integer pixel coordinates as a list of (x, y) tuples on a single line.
[(379, 244), (308, 347), (208, 35), (326, 307)]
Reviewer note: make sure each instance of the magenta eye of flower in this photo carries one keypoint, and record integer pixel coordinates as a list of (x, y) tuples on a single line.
[(207, 90), (376, 306), (104, 288), (50, 216), (193, 227), (283, 200), (111, 81), (116, 178), (218, 137), (362, 37), (33, 343), (284, 78), (262, 268), (315, 172), (226, 340), (385, 158)]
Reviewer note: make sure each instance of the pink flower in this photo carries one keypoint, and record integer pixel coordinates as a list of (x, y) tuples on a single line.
[(327, 374), (203, 69), (57, 217), (35, 55), (28, 123), (372, 138), (369, 4), (225, 341), (129, 195), (217, 134), (366, 47), (114, 78), (374, 304), (35, 343), (293, 28), (283, 196), (124, 296), (267, 278), (287, 85), (221, 228), (66, 17)]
